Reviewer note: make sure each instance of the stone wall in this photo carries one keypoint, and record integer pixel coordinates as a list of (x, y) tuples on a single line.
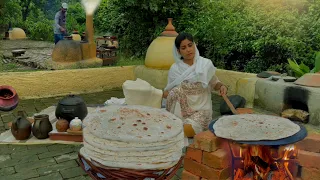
[(206, 158)]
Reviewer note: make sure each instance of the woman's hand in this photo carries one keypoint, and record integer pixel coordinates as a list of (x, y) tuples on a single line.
[(165, 94), (223, 90)]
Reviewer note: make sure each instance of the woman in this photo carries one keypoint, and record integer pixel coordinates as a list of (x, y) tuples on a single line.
[(191, 80)]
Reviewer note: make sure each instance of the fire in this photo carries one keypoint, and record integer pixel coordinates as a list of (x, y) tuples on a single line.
[(264, 163)]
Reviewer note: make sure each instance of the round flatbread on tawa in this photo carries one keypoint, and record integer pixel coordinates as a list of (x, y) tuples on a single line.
[(134, 124), (254, 127)]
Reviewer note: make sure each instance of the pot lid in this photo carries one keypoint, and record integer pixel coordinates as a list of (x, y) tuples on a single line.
[(71, 100), (169, 30), (309, 79)]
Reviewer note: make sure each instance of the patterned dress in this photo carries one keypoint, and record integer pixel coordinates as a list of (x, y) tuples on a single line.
[(192, 103)]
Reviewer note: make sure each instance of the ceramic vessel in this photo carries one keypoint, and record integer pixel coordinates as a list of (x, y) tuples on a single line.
[(8, 98), (41, 126), (70, 107), (309, 79), (21, 127), (76, 124), (62, 125)]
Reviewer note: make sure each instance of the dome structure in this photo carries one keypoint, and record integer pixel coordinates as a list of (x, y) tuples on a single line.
[(17, 33), (67, 51), (159, 54)]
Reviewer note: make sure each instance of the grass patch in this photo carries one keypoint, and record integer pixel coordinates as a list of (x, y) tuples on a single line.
[(129, 61), (8, 66)]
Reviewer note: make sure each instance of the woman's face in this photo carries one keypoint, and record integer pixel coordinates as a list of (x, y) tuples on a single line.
[(187, 49)]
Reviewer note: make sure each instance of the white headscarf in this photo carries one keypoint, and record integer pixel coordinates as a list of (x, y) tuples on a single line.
[(202, 70)]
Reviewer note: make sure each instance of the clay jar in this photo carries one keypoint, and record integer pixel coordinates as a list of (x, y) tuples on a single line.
[(41, 126), (62, 125), (8, 98), (21, 127)]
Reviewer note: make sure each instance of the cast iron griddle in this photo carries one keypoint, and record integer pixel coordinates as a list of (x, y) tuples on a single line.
[(280, 142)]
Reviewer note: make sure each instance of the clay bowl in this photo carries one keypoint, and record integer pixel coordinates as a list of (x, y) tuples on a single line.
[(309, 79), (8, 98)]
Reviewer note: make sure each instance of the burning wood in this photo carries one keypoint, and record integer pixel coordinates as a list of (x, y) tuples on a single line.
[(262, 163)]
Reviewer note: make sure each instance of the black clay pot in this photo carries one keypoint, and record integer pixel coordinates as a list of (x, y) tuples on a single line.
[(42, 126), (70, 107), (21, 127)]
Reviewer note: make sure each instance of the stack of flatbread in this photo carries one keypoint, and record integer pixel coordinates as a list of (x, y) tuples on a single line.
[(134, 137)]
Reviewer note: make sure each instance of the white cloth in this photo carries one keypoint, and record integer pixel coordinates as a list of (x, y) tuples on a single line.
[(202, 70), (140, 92), (116, 101)]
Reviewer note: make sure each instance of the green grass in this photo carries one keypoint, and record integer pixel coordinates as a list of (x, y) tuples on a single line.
[(127, 61)]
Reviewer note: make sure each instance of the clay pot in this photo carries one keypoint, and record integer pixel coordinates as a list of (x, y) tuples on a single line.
[(76, 124), (309, 79), (62, 125), (170, 29), (21, 127), (41, 126), (8, 98), (70, 107)]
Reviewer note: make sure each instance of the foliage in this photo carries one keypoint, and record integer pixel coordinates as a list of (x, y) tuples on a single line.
[(302, 69), (138, 22), (76, 18), (242, 35)]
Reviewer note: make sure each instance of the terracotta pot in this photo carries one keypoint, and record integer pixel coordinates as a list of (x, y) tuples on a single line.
[(42, 126), (62, 125), (8, 98), (170, 29), (309, 79), (21, 127)]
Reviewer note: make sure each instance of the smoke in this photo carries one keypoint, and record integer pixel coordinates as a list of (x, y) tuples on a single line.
[(90, 6)]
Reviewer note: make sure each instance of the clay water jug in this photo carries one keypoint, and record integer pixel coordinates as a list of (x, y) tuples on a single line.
[(42, 126), (21, 127)]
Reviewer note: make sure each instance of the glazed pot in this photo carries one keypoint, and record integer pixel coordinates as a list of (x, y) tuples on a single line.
[(70, 107), (42, 126), (21, 127), (62, 125), (8, 98)]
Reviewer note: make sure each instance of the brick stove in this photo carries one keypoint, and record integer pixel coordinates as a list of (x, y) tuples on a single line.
[(209, 157), (206, 158)]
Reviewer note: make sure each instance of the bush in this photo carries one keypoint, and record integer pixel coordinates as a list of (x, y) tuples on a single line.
[(243, 35)]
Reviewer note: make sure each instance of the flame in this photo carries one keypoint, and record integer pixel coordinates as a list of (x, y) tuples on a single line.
[(259, 162)]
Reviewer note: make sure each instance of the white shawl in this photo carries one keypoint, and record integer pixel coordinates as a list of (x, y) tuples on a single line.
[(202, 70)]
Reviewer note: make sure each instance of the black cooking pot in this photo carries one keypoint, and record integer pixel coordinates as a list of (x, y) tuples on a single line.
[(70, 107)]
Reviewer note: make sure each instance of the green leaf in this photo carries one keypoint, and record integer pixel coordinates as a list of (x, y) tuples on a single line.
[(317, 62), (304, 68), (312, 71), (295, 67)]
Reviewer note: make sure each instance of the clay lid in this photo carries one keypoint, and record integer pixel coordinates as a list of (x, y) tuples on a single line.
[(169, 30), (309, 79)]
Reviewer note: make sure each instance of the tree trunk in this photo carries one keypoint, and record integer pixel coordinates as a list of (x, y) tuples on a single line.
[(26, 11)]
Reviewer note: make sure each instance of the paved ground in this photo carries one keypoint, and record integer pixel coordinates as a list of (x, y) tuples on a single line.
[(37, 52), (44, 162)]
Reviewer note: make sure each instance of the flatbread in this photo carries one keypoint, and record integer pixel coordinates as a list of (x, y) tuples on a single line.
[(129, 165), (132, 146), (254, 127), (133, 123)]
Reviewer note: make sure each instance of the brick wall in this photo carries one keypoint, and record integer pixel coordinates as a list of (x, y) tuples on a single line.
[(309, 157), (207, 158)]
